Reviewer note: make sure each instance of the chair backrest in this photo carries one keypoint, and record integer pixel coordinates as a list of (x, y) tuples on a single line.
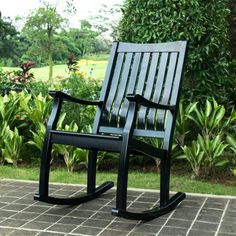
[(151, 70)]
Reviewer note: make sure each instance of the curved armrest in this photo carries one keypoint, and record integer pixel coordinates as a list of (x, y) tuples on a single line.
[(145, 102), (64, 96)]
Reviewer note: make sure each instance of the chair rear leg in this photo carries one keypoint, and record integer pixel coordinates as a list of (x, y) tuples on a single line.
[(165, 181), (91, 174)]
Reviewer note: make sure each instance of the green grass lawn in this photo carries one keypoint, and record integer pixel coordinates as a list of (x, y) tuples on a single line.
[(96, 63), (136, 180)]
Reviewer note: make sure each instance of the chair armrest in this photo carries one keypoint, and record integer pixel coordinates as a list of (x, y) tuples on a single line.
[(145, 102), (66, 97)]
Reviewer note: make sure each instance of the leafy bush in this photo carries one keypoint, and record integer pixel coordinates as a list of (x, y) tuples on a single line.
[(12, 146), (36, 107), (211, 120), (194, 20), (10, 111), (205, 154), (86, 88), (16, 80), (195, 156)]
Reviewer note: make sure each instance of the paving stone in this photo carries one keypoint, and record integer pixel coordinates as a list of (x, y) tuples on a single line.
[(209, 218), (50, 234), (14, 207), (25, 216), (7, 199), (5, 231), (87, 230), (146, 228), (228, 227), (48, 218), (81, 213), (71, 220), (62, 228), (158, 221), (36, 209), (205, 226), (36, 225), (179, 223), (20, 232), (121, 226), (59, 211), (6, 213), (187, 215), (193, 232), (171, 231), (25, 201), (226, 234), (103, 216), (109, 232), (96, 223), (140, 206), (141, 234), (13, 223)]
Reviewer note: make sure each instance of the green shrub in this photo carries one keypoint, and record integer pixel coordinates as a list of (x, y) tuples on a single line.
[(205, 154), (12, 146), (202, 23), (85, 88), (211, 120), (16, 80), (195, 156)]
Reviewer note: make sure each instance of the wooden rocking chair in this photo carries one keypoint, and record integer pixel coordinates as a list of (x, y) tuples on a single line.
[(139, 98)]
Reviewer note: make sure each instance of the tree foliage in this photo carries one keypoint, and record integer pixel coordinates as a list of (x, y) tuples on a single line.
[(106, 21), (203, 24), (41, 27), (8, 36)]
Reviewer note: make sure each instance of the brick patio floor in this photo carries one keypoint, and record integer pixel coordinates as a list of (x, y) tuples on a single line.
[(201, 215)]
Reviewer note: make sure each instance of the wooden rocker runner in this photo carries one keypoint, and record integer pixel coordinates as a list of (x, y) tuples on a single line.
[(139, 98)]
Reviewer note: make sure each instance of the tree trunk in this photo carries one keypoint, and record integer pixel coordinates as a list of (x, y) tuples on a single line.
[(50, 61), (50, 64)]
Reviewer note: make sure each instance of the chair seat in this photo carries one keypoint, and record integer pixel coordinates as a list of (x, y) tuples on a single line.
[(87, 140)]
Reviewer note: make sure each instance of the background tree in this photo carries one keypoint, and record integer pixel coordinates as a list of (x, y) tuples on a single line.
[(106, 21), (202, 23), (41, 27), (8, 36)]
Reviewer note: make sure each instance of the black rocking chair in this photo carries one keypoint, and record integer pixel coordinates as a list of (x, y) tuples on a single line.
[(139, 98)]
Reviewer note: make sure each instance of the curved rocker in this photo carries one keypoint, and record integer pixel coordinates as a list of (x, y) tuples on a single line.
[(75, 200), (152, 213)]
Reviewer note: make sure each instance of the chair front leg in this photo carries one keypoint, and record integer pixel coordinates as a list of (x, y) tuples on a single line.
[(122, 180), (44, 170), (91, 174), (165, 181)]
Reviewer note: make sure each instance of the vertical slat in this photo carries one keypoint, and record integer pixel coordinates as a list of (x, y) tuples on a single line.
[(121, 89), (142, 79), (169, 78), (157, 90), (106, 85), (131, 86), (113, 87), (149, 87), (167, 87)]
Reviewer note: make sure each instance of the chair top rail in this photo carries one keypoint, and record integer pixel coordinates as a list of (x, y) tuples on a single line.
[(152, 47)]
